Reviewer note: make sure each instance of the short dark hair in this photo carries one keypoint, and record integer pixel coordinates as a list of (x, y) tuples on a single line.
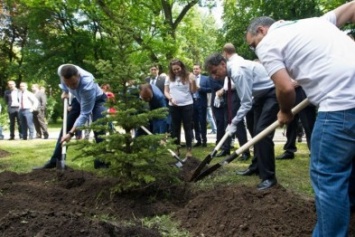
[(214, 60), (259, 21), (68, 71)]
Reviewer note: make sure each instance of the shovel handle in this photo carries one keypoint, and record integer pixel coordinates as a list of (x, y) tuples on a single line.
[(171, 152), (270, 128), (246, 146), (61, 162), (220, 143)]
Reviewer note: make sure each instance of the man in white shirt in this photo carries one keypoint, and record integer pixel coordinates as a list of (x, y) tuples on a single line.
[(28, 104), (321, 58)]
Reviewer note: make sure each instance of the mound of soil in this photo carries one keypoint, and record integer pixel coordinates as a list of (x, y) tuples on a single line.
[(76, 203)]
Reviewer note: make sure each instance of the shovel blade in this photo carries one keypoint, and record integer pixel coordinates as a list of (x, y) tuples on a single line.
[(200, 167), (207, 172), (178, 164)]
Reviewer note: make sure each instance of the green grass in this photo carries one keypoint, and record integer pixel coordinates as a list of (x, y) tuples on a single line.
[(31, 153), (291, 174)]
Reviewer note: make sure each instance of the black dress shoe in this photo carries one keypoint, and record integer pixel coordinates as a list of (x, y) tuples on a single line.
[(245, 156), (246, 172), (45, 136), (285, 156), (197, 144), (223, 153), (48, 165), (267, 183)]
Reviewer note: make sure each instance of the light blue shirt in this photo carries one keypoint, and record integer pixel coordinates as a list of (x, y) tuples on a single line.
[(251, 80), (86, 93)]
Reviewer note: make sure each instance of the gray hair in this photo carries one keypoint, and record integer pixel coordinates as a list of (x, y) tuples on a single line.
[(259, 21)]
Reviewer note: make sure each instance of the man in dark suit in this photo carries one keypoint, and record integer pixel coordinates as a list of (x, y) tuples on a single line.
[(155, 79), (12, 100), (200, 106)]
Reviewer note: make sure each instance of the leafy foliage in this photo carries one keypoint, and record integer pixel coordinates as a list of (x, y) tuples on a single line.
[(237, 16)]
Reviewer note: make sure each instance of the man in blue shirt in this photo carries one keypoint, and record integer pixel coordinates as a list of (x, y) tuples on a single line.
[(152, 94), (91, 98)]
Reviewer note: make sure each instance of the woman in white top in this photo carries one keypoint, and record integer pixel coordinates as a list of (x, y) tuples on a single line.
[(179, 86)]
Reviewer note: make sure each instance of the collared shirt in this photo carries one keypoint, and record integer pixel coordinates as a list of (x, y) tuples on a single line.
[(251, 80), (28, 100), (196, 95), (153, 80), (86, 93), (15, 98)]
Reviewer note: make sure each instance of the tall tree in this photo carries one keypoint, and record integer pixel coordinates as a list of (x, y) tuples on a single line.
[(237, 16)]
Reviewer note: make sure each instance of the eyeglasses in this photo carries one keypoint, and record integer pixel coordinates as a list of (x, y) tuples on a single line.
[(252, 47)]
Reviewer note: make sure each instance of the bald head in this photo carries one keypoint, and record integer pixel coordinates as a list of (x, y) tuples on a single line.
[(146, 92), (228, 50)]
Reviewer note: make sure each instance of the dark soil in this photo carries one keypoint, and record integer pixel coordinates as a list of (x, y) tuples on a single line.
[(75, 203)]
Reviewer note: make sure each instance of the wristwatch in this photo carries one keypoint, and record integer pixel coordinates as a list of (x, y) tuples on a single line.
[(71, 134)]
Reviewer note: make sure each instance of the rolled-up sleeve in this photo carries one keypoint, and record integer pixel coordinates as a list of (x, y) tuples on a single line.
[(87, 103)]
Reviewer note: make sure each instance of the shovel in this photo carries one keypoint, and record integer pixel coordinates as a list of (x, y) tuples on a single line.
[(61, 162), (246, 146), (209, 157), (179, 162)]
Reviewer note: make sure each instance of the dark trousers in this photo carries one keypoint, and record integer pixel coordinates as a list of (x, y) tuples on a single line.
[(218, 114), (14, 116), (40, 122), (307, 117), (200, 121), (73, 114), (265, 113), (241, 133), (184, 115)]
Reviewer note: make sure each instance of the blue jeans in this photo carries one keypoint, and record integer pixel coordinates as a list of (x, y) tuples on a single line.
[(26, 118), (159, 126), (332, 157), (1, 135), (210, 119)]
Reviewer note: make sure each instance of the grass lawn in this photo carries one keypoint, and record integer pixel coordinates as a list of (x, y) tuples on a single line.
[(292, 174)]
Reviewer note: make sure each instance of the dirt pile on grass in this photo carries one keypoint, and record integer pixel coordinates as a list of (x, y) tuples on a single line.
[(77, 203)]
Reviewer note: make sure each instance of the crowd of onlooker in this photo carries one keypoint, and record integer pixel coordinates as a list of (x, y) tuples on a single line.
[(26, 111)]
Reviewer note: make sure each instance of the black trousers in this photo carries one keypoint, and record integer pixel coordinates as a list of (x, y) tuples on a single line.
[(14, 117), (307, 116), (265, 113), (241, 133), (184, 115), (218, 114)]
